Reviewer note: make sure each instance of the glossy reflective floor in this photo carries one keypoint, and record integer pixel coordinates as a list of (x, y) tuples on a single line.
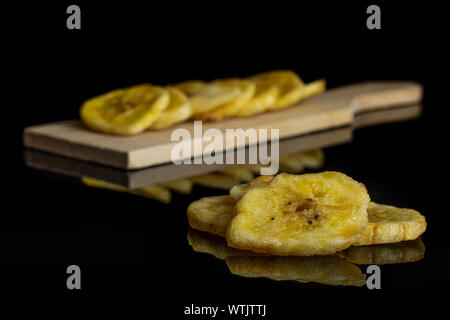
[(131, 246)]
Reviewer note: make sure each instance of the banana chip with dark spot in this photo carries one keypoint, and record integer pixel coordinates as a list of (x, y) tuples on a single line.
[(303, 215)]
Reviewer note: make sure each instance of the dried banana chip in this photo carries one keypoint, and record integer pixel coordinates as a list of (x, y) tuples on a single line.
[(205, 97), (237, 192), (314, 88), (304, 215), (330, 270), (230, 108), (183, 186), (265, 95), (212, 244), (288, 83), (216, 181), (191, 87), (388, 224), (211, 214), (155, 192), (125, 111), (242, 173), (400, 252), (178, 110)]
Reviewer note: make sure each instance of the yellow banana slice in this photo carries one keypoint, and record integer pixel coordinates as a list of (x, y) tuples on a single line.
[(231, 108), (309, 214), (178, 110), (211, 214), (237, 192), (330, 270), (205, 97), (313, 88), (288, 83), (191, 87), (155, 192), (400, 252), (125, 111), (388, 224), (264, 97), (217, 181), (242, 173)]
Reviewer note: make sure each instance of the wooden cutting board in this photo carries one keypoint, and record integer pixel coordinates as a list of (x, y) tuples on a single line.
[(335, 108)]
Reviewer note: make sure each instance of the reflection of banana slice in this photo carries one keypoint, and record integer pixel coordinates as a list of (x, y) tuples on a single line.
[(307, 214), (388, 224), (297, 162), (331, 270), (241, 173), (154, 191), (178, 110), (312, 159), (401, 252), (230, 108), (212, 244), (183, 186), (125, 111), (211, 214), (288, 83), (291, 163), (216, 181)]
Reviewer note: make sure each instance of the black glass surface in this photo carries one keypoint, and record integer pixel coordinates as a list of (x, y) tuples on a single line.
[(135, 249)]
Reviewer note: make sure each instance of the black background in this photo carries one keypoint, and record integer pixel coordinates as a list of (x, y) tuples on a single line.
[(135, 249)]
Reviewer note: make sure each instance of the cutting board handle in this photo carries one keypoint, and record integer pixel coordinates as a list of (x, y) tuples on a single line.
[(376, 95)]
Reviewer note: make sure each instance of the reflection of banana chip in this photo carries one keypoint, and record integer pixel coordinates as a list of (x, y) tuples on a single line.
[(400, 252), (211, 214), (154, 191), (307, 214), (212, 244), (230, 108), (388, 224), (312, 159), (242, 173), (331, 270), (297, 162), (125, 111), (178, 110), (292, 163), (288, 83), (183, 186), (217, 181)]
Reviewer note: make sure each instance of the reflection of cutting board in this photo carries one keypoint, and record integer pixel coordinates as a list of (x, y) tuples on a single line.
[(334, 108)]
